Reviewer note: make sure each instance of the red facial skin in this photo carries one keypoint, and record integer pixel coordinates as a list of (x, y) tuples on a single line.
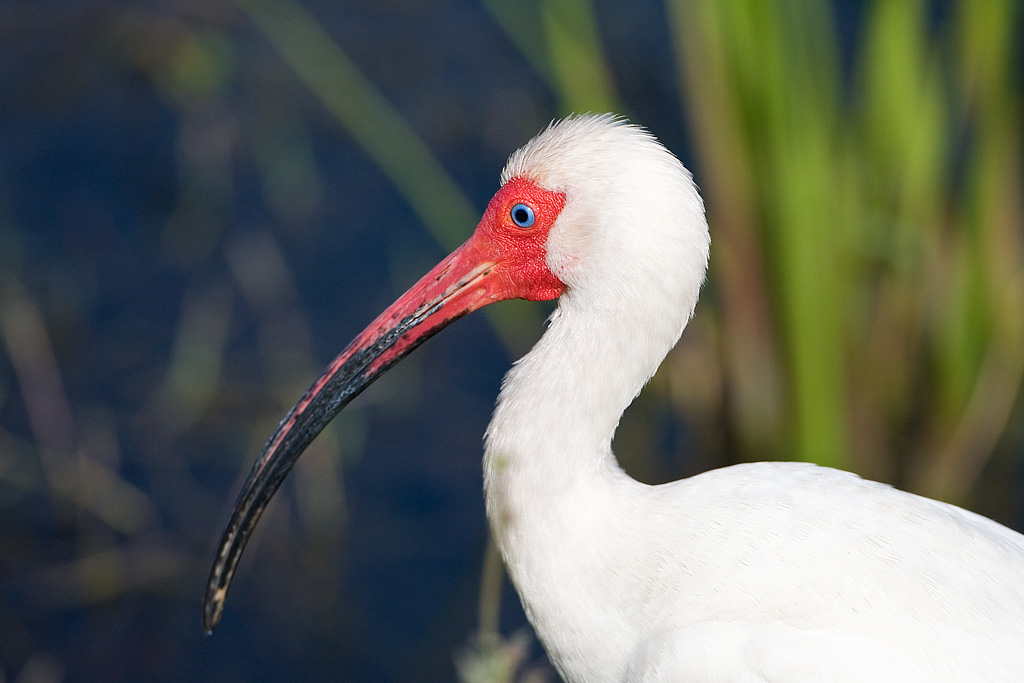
[(500, 261), (519, 253)]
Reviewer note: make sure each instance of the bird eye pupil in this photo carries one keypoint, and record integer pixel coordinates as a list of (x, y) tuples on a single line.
[(522, 215)]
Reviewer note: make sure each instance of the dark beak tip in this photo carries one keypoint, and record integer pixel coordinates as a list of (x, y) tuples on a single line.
[(213, 608), (210, 622)]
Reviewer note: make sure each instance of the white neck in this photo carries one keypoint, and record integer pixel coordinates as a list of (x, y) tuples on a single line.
[(560, 404), (552, 484)]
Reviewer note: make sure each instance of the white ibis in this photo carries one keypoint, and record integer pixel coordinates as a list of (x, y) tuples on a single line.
[(756, 572)]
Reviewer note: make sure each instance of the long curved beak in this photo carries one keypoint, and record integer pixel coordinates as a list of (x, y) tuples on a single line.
[(466, 280)]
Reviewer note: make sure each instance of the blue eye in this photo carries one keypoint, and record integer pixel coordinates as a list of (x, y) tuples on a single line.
[(522, 215)]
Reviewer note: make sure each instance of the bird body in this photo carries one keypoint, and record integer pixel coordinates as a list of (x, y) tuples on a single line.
[(777, 572), (758, 572)]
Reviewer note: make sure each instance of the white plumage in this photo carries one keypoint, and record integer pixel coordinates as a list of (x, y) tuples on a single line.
[(759, 572)]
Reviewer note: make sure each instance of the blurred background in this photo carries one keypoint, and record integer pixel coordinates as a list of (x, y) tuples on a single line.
[(201, 203)]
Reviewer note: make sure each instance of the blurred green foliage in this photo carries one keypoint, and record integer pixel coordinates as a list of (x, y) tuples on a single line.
[(876, 218)]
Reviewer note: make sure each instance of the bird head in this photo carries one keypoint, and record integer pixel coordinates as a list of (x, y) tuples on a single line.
[(592, 210)]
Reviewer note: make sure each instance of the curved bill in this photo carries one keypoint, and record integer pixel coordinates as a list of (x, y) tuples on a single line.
[(466, 280)]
